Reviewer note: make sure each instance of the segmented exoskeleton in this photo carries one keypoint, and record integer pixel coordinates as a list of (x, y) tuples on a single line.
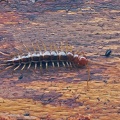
[(45, 58)]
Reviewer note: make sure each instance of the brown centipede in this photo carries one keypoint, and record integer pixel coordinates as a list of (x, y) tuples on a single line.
[(44, 58)]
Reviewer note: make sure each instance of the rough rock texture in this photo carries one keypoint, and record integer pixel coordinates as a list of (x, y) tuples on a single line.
[(61, 93)]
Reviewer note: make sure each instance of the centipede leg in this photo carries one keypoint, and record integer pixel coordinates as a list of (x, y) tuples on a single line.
[(17, 67), (23, 67), (61, 47), (40, 65), (6, 68), (68, 64), (44, 46), (58, 64), (25, 47), (41, 68), (51, 47), (63, 64), (46, 65), (3, 59), (53, 64), (20, 51), (54, 47), (66, 46), (2, 64), (29, 66), (33, 47), (35, 66), (73, 65), (38, 46), (4, 54)]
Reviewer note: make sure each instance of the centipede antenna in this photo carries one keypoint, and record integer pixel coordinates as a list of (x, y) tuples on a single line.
[(17, 67), (29, 65), (23, 67), (102, 64), (88, 68), (4, 53)]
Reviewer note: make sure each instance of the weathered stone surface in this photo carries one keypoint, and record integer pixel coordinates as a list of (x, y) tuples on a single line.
[(90, 26)]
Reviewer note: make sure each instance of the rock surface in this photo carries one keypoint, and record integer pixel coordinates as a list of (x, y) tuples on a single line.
[(60, 93)]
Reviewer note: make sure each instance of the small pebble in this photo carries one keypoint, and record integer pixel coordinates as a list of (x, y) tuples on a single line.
[(105, 81), (20, 77), (108, 52), (87, 108), (98, 99), (27, 114)]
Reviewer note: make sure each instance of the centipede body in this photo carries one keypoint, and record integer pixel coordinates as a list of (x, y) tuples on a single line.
[(43, 59), (48, 58)]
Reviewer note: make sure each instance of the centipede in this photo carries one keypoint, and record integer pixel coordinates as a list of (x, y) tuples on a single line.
[(41, 57)]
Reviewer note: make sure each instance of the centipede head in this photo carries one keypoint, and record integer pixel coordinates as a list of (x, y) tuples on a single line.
[(83, 61), (80, 60)]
